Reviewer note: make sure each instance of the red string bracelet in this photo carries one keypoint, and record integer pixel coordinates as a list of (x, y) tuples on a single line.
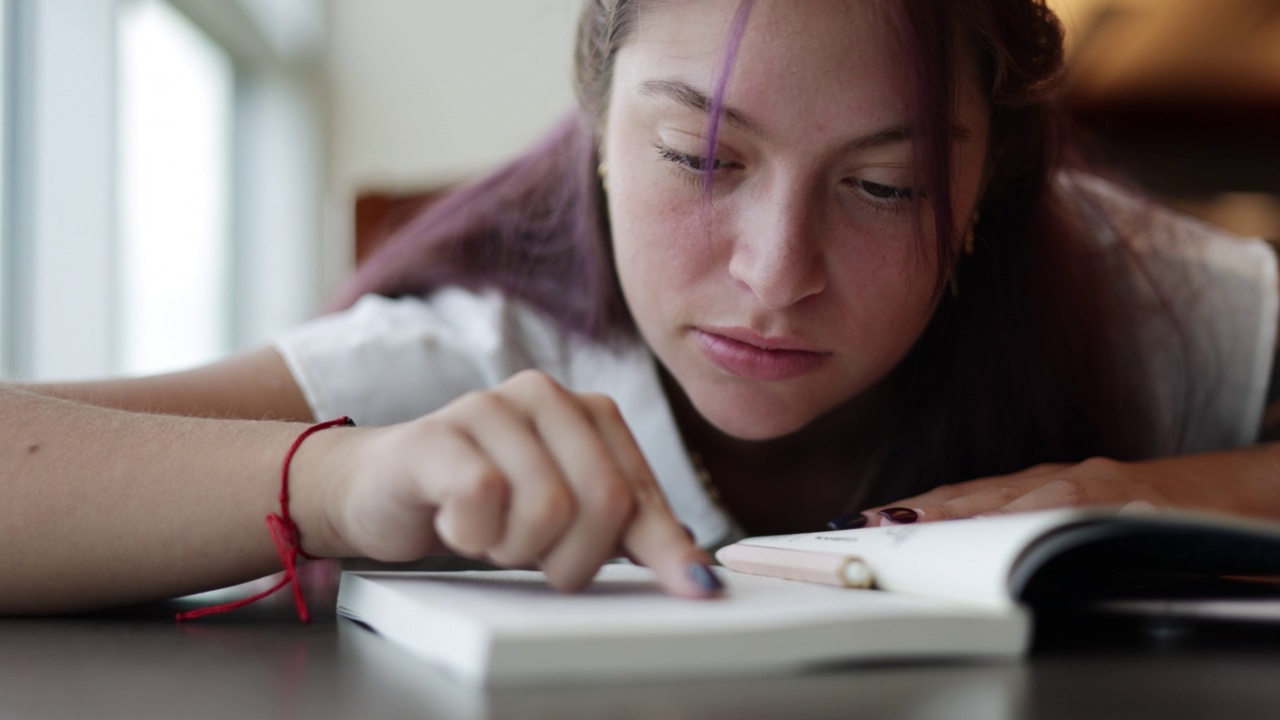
[(284, 533)]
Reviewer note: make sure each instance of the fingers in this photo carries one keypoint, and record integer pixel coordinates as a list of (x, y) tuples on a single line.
[(945, 493), (474, 517), (980, 502), (541, 503), (1010, 498), (950, 502), (599, 485), (1050, 485), (654, 537), (539, 475)]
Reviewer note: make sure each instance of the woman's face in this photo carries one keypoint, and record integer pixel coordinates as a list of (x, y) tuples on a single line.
[(805, 279)]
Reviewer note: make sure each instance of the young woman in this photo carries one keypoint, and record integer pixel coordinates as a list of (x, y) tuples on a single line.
[(790, 263)]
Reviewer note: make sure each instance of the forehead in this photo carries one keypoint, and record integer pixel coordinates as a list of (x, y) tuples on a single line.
[(824, 60)]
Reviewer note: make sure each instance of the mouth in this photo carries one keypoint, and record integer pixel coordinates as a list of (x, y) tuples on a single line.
[(753, 357)]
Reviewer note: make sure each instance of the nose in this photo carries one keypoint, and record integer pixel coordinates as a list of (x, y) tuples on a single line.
[(777, 253)]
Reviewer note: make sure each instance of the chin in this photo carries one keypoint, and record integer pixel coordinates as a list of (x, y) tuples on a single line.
[(755, 424)]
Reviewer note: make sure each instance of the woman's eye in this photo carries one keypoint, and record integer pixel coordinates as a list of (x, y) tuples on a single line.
[(693, 162), (884, 192)]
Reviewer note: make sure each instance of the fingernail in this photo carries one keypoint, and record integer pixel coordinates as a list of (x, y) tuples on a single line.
[(1137, 507), (899, 516), (848, 522), (704, 578)]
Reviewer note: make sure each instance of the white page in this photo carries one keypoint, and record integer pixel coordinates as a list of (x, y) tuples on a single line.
[(521, 603), (510, 626), (963, 560)]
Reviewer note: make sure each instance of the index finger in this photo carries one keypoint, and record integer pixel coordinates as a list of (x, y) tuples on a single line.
[(654, 537)]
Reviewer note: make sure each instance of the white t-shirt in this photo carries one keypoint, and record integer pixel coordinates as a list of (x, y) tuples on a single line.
[(386, 361), (1221, 289)]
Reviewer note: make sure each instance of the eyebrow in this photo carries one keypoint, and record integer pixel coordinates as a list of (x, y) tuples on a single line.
[(694, 99)]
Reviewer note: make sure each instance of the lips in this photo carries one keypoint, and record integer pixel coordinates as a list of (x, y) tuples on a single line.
[(744, 354)]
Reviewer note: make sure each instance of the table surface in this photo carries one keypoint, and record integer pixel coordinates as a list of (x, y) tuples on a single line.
[(260, 662)]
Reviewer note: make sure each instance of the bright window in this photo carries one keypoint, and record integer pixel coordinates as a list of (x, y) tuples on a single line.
[(176, 94), (6, 299)]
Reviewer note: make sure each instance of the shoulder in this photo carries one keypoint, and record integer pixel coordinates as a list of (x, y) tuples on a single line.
[(1194, 263), (386, 360), (1206, 305)]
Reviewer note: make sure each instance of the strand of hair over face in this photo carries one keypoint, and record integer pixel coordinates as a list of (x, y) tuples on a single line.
[(736, 30)]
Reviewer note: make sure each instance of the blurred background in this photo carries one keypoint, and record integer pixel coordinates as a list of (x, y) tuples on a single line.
[(182, 178)]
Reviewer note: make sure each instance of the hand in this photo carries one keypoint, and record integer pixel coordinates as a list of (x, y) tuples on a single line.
[(1238, 481), (525, 474)]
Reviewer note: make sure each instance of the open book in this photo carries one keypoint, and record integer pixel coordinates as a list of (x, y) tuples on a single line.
[(959, 589)]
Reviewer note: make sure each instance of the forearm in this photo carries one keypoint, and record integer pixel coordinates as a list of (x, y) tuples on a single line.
[(252, 385), (1245, 481), (101, 507)]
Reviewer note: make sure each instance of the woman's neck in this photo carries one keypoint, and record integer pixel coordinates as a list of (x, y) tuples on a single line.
[(789, 484)]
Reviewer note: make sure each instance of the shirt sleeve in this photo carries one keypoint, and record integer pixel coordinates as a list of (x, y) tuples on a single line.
[(385, 361), (1210, 306)]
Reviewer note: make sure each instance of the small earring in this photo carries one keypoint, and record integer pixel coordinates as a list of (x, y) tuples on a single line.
[(952, 283), (968, 234), (602, 171)]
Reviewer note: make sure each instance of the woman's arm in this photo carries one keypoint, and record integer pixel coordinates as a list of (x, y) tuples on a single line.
[(254, 385), (1240, 482), (100, 506)]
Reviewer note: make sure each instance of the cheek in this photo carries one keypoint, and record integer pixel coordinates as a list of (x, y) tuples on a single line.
[(659, 237), (884, 285)]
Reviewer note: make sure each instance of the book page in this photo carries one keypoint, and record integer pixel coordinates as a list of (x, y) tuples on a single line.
[(965, 560), (626, 600)]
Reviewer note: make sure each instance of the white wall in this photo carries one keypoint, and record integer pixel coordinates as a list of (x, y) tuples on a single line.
[(60, 229), (425, 92)]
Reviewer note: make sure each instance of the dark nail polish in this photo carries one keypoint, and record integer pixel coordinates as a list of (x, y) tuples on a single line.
[(704, 577), (848, 522), (899, 516)]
